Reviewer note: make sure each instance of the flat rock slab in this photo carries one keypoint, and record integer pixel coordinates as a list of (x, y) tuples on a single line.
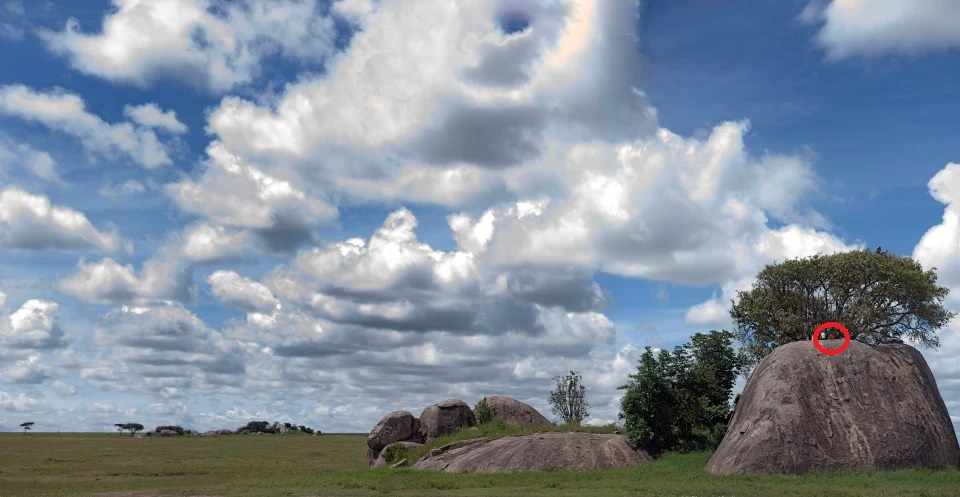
[(539, 452), (869, 408)]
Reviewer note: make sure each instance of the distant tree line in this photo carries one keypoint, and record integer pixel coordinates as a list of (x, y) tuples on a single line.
[(267, 427), (249, 428)]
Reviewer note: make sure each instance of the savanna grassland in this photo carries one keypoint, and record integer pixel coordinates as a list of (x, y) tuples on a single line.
[(113, 465)]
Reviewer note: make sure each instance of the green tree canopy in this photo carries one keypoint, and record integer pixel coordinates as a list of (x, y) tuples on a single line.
[(879, 297), (680, 400)]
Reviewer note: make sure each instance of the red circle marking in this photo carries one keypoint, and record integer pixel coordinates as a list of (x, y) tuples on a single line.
[(831, 326)]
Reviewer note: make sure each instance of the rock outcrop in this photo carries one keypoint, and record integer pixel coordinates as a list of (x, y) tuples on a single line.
[(381, 460), (539, 452), (397, 426), (868, 408), (513, 412), (444, 418)]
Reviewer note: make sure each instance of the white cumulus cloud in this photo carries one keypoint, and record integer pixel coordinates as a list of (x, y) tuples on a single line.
[(151, 116), (162, 277), (877, 27), (35, 325), (213, 44), (205, 242), (233, 289), (32, 222), (940, 245), (21, 156), (940, 248), (67, 113), (233, 194), (437, 115)]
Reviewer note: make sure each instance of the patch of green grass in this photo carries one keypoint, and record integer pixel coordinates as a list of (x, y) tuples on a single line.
[(81, 465)]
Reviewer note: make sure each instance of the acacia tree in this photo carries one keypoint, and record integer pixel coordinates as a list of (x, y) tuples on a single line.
[(878, 296), (569, 399), (27, 426), (133, 428)]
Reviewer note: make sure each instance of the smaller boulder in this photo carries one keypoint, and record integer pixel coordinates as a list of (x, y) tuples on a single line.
[(513, 412), (382, 459), (396, 426), (444, 418)]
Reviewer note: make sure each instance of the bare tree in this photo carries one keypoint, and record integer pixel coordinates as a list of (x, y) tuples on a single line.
[(569, 399)]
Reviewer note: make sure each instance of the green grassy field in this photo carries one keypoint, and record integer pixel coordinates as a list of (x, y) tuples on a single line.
[(335, 465)]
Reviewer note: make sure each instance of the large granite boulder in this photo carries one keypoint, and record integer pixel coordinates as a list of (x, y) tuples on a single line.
[(444, 418), (514, 412), (539, 452), (868, 408), (396, 426)]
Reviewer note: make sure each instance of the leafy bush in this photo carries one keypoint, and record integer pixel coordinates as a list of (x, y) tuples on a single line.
[(483, 412), (680, 400), (256, 427)]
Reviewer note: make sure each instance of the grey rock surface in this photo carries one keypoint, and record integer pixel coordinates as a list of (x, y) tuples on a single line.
[(381, 461), (444, 418), (539, 452), (868, 408), (513, 412), (394, 427)]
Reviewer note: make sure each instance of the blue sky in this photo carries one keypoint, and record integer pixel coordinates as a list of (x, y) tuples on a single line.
[(319, 212)]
